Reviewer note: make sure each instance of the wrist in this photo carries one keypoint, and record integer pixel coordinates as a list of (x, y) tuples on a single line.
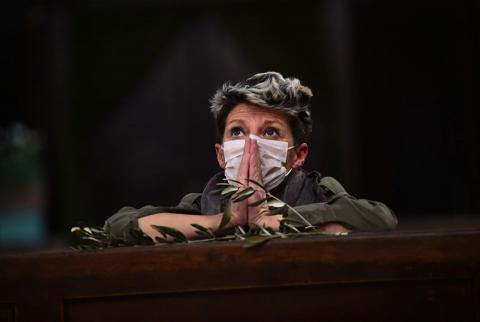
[(235, 220)]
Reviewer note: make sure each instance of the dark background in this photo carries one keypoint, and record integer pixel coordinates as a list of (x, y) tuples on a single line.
[(119, 92)]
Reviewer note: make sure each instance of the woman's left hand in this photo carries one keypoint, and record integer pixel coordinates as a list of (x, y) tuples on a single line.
[(258, 216)]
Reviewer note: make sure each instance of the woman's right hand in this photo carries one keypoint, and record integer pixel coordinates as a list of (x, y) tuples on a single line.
[(240, 209)]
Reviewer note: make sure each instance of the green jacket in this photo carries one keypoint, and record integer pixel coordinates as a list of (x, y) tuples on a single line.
[(340, 207)]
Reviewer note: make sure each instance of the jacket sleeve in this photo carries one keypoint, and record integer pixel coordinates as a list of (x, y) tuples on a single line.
[(123, 221), (342, 208)]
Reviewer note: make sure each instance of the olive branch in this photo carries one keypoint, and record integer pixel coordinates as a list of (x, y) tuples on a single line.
[(274, 204), (97, 238)]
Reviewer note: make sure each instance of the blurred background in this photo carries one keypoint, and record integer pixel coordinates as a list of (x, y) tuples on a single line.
[(105, 103)]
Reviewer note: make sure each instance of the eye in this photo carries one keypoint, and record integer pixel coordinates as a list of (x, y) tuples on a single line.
[(236, 132), (271, 132)]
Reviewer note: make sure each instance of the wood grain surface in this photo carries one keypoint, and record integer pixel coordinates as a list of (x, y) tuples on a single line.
[(402, 276)]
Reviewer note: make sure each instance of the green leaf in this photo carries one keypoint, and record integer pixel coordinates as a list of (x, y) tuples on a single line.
[(203, 231), (223, 184), (228, 191), (96, 230), (239, 230), (239, 237), (140, 238), (290, 227), (93, 239), (227, 214), (257, 240), (262, 230), (162, 240), (257, 183), (244, 194), (216, 191), (169, 231), (257, 203), (275, 204)]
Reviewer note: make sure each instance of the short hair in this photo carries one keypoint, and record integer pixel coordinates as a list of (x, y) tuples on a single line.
[(268, 90)]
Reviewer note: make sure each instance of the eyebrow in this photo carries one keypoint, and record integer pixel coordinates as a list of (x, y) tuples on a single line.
[(236, 121), (267, 122)]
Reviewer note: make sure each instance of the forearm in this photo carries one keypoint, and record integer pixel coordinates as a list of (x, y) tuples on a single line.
[(353, 214), (182, 223)]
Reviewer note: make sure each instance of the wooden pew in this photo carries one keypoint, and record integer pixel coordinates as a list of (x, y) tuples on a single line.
[(400, 276)]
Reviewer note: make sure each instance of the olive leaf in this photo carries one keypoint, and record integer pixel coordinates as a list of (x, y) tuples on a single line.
[(239, 230), (169, 231), (203, 231), (163, 240), (244, 194), (290, 227), (275, 203), (229, 191), (140, 237), (227, 214), (93, 239), (257, 240), (75, 229), (240, 233), (216, 191), (96, 230), (263, 230), (257, 203), (239, 236), (257, 183)]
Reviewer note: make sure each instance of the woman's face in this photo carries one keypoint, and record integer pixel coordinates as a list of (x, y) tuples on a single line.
[(245, 119)]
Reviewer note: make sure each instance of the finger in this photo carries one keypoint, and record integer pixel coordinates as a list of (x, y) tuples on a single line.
[(245, 163), (255, 165)]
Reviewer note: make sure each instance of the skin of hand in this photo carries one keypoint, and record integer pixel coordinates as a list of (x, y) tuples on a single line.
[(257, 216)]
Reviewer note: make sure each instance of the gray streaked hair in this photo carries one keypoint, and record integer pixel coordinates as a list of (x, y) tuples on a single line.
[(269, 90)]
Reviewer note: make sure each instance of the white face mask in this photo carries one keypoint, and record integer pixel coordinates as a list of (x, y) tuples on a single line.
[(272, 155)]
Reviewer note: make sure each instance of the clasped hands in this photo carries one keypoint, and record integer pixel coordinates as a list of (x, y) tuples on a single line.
[(255, 216)]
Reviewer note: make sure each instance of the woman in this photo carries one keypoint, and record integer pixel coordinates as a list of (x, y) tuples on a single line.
[(263, 125)]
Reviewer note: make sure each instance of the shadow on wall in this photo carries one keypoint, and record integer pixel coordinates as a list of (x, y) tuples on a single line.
[(160, 140)]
